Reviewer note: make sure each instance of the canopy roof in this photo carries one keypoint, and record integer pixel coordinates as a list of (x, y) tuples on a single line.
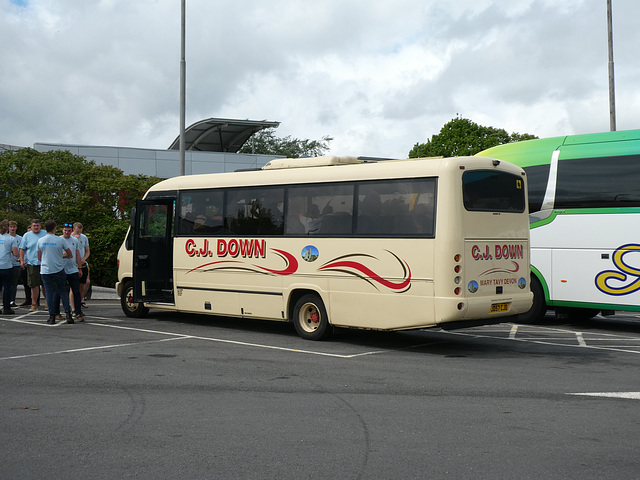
[(220, 134)]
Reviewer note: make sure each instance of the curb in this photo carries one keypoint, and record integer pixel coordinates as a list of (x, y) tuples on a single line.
[(97, 293)]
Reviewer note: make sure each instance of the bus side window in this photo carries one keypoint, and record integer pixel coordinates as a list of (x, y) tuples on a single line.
[(598, 182), (396, 207), (200, 212), (128, 243), (369, 210), (322, 209), (255, 211)]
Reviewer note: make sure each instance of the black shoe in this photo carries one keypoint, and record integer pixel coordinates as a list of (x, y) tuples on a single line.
[(26, 303), (69, 317), (52, 320), (7, 311)]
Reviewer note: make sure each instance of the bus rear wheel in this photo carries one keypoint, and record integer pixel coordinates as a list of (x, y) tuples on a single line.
[(310, 317), (131, 309), (577, 314), (539, 306)]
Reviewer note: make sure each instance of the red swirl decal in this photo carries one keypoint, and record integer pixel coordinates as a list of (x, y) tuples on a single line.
[(348, 266), (290, 261), (501, 270), (291, 265), (214, 263)]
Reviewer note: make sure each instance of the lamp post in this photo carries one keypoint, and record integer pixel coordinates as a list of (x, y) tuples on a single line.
[(612, 93), (183, 81)]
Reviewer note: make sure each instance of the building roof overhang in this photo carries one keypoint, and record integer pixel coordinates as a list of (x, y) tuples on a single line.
[(220, 134)]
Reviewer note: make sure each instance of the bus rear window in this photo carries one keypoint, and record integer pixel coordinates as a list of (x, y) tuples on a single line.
[(493, 191)]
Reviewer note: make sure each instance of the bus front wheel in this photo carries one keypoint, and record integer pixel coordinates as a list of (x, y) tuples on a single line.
[(131, 309), (310, 318)]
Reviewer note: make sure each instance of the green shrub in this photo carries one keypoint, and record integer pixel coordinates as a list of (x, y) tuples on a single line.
[(69, 188)]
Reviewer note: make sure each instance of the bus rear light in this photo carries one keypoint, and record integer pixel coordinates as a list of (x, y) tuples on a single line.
[(460, 306), (456, 280), (457, 257), (457, 291), (457, 269)]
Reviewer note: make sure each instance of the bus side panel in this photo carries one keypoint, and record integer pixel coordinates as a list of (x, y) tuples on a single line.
[(601, 266), (356, 303), (232, 294), (212, 281), (376, 283), (206, 293), (541, 261)]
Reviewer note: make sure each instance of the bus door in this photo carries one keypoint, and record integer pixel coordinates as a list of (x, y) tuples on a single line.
[(153, 252)]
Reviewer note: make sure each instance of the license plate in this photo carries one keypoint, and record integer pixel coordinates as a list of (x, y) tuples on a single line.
[(499, 307)]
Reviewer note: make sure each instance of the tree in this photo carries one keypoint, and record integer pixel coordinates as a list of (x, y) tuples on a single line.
[(461, 137), (69, 188), (265, 142)]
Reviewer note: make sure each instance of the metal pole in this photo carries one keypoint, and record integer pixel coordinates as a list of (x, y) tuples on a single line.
[(612, 93), (183, 81)]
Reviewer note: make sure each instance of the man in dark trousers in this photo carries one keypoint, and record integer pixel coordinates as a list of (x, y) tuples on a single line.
[(51, 252)]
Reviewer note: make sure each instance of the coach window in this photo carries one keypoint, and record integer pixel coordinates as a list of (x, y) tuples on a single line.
[(324, 209), (255, 211), (396, 208), (598, 182), (200, 212)]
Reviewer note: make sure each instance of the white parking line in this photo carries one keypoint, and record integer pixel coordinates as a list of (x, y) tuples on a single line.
[(245, 344), (630, 395), (87, 349), (515, 330), (19, 318), (513, 333), (557, 342), (175, 336)]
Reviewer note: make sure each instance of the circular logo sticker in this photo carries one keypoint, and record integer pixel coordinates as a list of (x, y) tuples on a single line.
[(522, 283), (473, 286), (310, 253)]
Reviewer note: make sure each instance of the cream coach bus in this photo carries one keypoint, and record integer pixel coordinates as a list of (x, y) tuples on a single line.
[(335, 242)]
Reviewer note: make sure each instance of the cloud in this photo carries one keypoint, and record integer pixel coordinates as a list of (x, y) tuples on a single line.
[(376, 76)]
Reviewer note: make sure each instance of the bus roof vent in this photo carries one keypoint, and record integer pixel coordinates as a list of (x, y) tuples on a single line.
[(280, 163)]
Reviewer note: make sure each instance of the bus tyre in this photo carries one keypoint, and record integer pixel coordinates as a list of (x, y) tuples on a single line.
[(539, 307), (131, 309), (580, 314), (310, 317)]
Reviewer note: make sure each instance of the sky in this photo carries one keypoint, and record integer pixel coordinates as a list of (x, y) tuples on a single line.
[(376, 76)]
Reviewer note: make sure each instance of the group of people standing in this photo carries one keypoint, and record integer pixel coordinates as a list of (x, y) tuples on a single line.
[(43, 259)]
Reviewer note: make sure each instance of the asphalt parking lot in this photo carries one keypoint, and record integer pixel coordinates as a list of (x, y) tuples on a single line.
[(188, 396)]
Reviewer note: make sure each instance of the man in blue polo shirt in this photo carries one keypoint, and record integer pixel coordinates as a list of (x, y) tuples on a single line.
[(51, 252), (8, 250), (29, 260), (73, 269)]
